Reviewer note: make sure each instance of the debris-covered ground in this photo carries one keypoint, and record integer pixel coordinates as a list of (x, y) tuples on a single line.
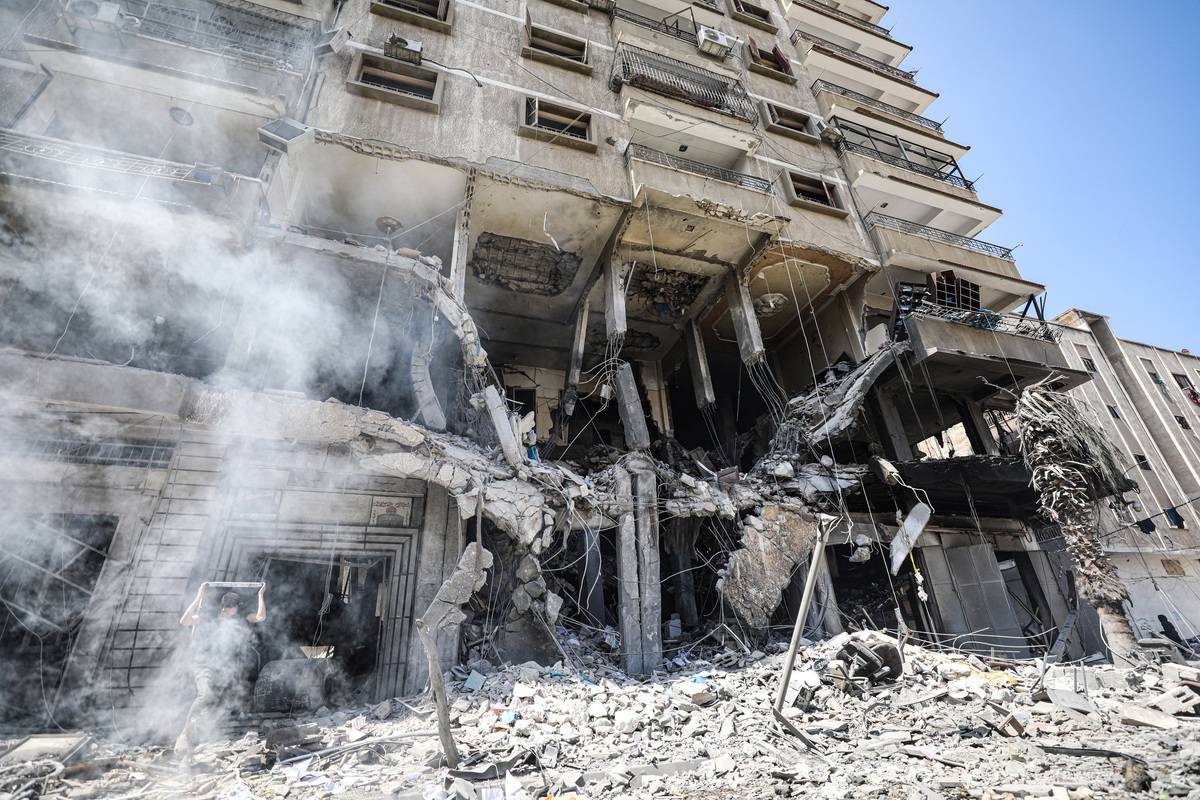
[(951, 726)]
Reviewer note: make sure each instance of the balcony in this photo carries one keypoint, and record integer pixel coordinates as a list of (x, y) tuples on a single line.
[(239, 33), (679, 27), (670, 77), (877, 220), (639, 152), (828, 10), (820, 19), (873, 64), (858, 97), (855, 68), (950, 175), (40, 161), (957, 348)]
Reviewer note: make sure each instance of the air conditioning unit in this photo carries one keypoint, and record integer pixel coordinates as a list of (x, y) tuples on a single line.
[(402, 49), (104, 13), (714, 43), (285, 135), (331, 42), (830, 133)]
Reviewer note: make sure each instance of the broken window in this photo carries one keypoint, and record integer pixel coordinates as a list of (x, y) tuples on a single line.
[(949, 290), (556, 123), (811, 191), (753, 14), (1089, 365), (49, 565), (1112, 410), (770, 62), (553, 47), (1183, 423), (789, 122), (1142, 461), (435, 14), (1174, 518), (394, 81)]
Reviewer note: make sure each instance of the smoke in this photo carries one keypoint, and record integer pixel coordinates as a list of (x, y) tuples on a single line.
[(89, 277)]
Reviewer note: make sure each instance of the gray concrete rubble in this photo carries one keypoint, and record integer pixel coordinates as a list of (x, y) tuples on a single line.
[(945, 724), (773, 542)]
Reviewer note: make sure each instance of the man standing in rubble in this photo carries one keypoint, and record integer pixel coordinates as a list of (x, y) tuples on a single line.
[(221, 645)]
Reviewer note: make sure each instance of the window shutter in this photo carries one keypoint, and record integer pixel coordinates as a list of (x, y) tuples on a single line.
[(752, 46), (528, 29), (781, 60), (443, 7)]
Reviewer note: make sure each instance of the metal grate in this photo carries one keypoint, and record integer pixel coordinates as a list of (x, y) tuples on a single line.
[(925, 122), (87, 451), (872, 64), (659, 25), (258, 38), (642, 153), (997, 321), (875, 219), (825, 8), (888, 158), (673, 78), (95, 158)]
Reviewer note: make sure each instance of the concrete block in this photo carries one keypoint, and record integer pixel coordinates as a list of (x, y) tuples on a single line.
[(629, 405)]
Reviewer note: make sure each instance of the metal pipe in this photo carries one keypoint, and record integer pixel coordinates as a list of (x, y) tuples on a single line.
[(810, 583)]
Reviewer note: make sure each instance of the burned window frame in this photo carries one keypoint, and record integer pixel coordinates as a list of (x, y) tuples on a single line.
[(539, 43), (417, 12), (831, 189), (776, 117), (772, 63), (530, 110), (751, 13), (386, 94)]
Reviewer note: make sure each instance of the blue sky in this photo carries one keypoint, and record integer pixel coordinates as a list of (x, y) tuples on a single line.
[(1084, 121)]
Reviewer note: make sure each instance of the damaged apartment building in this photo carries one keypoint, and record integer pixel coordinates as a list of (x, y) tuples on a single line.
[(645, 296)]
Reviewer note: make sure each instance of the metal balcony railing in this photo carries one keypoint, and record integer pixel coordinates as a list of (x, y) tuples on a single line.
[(870, 63), (1000, 322), (640, 152), (824, 8), (920, 169), (673, 78), (875, 219), (259, 39), (75, 155), (659, 25), (924, 122)]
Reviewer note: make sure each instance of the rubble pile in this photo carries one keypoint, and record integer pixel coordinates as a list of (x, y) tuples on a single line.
[(862, 718)]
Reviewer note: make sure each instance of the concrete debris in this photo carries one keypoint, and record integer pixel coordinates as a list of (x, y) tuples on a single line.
[(582, 728), (773, 543)]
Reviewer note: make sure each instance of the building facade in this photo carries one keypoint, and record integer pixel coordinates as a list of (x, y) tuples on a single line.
[(649, 225)]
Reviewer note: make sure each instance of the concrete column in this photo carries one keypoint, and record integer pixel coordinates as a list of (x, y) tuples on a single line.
[(680, 538), (614, 300), (593, 584), (978, 431), (645, 496), (629, 406), (745, 321), (702, 384), (896, 442), (629, 609)]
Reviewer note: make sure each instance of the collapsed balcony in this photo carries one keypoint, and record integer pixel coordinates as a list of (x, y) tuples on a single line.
[(680, 80)]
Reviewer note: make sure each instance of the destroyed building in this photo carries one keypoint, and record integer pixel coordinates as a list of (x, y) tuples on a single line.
[(629, 291)]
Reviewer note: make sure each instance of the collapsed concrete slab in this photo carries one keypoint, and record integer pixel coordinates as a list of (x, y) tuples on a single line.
[(773, 543)]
